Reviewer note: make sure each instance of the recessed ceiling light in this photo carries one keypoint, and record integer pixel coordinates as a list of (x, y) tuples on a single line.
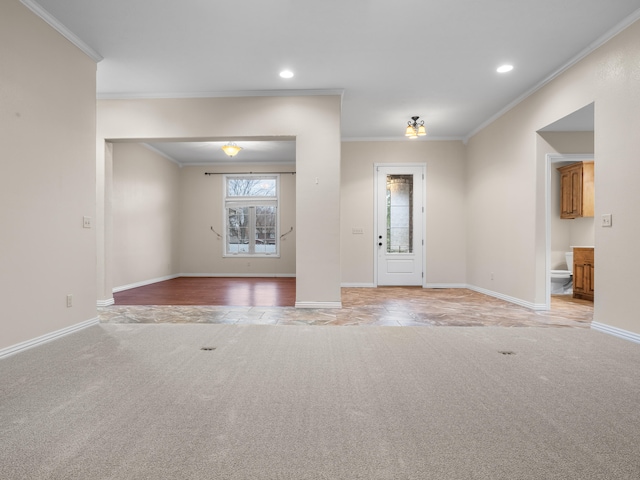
[(504, 68), (286, 74)]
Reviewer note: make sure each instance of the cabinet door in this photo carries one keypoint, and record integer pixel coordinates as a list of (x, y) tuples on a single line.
[(583, 273), (588, 281), (571, 191), (578, 279)]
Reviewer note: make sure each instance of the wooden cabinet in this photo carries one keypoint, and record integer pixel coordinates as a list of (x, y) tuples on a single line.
[(576, 190), (583, 271)]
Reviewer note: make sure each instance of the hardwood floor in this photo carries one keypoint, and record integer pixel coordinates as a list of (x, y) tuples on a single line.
[(232, 291), (271, 301)]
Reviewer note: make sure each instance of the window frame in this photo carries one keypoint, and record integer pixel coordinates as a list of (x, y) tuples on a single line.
[(251, 202)]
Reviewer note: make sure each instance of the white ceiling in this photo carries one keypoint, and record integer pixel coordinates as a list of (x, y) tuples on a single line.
[(255, 152), (390, 59)]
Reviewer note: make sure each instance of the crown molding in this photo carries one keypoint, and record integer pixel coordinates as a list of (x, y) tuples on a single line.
[(237, 93), (162, 154), (61, 29), (401, 139), (580, 56)]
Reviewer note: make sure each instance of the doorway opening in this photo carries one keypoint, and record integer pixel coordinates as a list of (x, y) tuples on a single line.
[(173, 221), (568, 141)]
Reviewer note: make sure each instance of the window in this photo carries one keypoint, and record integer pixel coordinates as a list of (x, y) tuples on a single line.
[(251, 212), (399, 213)]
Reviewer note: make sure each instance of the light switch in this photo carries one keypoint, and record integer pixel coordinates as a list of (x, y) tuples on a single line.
[(606, 220), (86, 222), (357, 231)]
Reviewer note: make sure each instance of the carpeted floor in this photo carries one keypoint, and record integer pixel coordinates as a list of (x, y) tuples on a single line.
[(127, 401)]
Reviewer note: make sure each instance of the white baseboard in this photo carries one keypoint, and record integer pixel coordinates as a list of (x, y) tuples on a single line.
[(507, 298), (445, 285), (240, 275), (318, 304), (106, 303), (129, 286), (5, 352), (358, 285), (615, 331)]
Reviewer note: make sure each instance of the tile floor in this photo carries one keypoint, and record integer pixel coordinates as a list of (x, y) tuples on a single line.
[(394, 306)]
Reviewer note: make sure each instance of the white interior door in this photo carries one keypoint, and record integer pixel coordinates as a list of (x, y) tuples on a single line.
[(400, 224)]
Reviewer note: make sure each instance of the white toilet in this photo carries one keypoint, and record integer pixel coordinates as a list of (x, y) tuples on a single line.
[(562, 280)]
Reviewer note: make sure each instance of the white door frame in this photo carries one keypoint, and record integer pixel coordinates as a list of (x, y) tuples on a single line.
[(374, 238), (552, 158)]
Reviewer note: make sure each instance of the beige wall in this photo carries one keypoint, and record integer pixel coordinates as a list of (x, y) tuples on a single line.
[(47, 178), (315, 123), (201, 251), (145, 208), (506, 208), (445, 243)]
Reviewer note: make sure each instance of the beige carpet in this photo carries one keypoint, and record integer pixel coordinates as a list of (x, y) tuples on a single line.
[(296, 402)]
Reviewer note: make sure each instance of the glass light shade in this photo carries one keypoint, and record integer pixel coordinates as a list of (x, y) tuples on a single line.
[(410, 132), (231, 149), (422, 131)]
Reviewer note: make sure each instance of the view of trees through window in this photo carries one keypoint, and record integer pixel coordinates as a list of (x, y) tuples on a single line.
[(251, 204)]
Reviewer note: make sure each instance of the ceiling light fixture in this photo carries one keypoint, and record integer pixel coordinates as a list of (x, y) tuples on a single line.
[(286, 74), (504, 68), (415, 129), (231, 149)]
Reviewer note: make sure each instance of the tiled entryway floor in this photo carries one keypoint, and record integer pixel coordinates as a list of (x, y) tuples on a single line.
[(394, 306)]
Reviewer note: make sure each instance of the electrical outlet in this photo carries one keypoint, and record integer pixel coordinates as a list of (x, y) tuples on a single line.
[(607, 220), (69, 300), (491, 275)]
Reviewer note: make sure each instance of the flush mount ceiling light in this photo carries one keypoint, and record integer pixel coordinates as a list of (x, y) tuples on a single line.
[(231, 149), (415, 129), (504, 68), (286, 74)]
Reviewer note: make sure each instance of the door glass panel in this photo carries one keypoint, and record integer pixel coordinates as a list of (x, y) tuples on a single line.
[(399, 217)]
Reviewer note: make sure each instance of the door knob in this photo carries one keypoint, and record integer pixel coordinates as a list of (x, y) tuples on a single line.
[(379, 244)]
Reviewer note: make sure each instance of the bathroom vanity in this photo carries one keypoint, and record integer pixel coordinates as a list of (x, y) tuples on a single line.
[(583, 272)]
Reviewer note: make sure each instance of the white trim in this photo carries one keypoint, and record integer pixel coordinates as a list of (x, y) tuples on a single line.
[(507, 298), (402, 138), (551, 158), (615, 331), (584, 53), (446, 285), (106, 303), (318, 304), (358, 285), (237, 93), (143, 283), (61, 29), (19, 347), (240, 275)]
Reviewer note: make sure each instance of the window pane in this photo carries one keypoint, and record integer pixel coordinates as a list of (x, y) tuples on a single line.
[(251, 187), (265, 229), (238, 230), (399, 214)]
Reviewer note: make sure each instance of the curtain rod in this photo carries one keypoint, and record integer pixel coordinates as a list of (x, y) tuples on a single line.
[(246, 173)]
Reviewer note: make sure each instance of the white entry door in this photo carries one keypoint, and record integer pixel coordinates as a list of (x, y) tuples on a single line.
[(400, 224)]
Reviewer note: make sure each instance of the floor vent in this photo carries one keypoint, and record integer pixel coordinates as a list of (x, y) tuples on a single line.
[(506, 352), (208, 349)]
